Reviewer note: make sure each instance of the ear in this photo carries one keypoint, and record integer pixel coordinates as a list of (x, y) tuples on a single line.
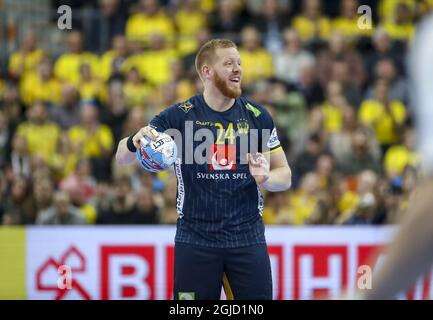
[(206, 72)]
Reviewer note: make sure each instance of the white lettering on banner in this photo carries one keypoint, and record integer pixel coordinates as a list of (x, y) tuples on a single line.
[(120, 281), (310, 282)]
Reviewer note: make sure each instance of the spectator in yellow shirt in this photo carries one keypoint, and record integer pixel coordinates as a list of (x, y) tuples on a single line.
[(184, 85), (65, 160), (385, 116), (277, 208), (398, 157), (67, 67), (189, 19), (42, 135), (386, 8), (137, 91), (311, 24), (93, 140), (149, 20), (111, 62), (154, 64), (401, 27), (25, 61), (41, 85), (347, 22), (303, 201), (347, 200), (256, 61), (334, 107), (89, 86), (363, 207)]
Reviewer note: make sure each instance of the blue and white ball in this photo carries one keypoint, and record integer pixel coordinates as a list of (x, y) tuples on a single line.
[(157, 155)]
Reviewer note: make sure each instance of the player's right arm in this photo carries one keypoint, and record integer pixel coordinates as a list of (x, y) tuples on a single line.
[(123, 155), (169, 118)]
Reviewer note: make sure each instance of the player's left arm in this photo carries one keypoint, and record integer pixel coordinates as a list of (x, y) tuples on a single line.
[(280, 175), (271, 170), (269, 167)]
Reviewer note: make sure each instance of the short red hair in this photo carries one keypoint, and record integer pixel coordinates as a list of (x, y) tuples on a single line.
[(206, 53)]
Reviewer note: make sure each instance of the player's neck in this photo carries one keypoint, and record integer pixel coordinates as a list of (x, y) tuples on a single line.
[(217, 101)]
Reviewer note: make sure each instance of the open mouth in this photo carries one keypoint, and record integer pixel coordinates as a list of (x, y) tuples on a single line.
[(235, 79)]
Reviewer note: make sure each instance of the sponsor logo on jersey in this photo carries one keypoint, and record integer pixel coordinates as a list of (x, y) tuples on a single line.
[(204, 123), (273, 140), (186, 295), (243, 126), (186, 106), (254, 110), (221, 176), (223, 157)]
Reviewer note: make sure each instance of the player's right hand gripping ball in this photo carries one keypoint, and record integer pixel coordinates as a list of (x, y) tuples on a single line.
[(157, 155)]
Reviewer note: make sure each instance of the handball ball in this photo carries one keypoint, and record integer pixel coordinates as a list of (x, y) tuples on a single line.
[(157, 155)]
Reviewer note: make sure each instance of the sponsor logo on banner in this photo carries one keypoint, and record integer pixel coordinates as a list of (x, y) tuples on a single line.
[(138, 262), (276, 256), (320, 272), (72, 258), (128, 272), (104, 263)]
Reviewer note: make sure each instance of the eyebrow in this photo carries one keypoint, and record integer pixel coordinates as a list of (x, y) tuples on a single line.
[(232, 59)]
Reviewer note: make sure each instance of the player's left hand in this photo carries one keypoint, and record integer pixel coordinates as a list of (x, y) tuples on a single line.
[(259, 167)]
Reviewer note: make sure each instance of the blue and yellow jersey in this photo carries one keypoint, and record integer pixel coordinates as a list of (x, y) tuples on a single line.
[(218, 201)]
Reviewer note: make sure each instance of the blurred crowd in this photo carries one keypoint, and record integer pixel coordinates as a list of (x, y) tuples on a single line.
[(339, 95)]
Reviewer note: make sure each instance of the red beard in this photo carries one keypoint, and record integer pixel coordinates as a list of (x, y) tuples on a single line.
[(225, 89)]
